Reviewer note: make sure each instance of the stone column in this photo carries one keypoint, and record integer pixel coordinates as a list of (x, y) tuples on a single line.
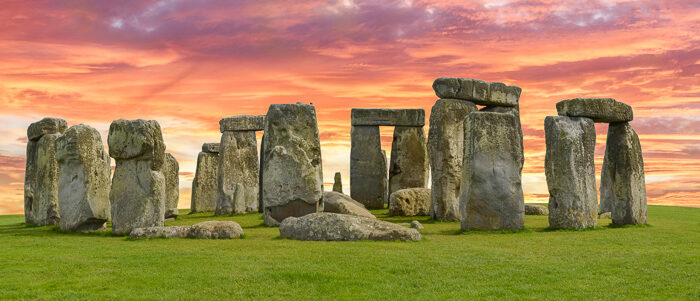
[(292, 169), (238, 165), (205, 183), (171, 173), (83, 179), (41, 205), (622, 185), (338, 183), (409, 159), (570, 171), (368, 176), (137, 195), (446, 150), (491, 191)]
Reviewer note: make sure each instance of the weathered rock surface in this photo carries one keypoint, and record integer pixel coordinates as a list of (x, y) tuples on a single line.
[(477, 91), (171, 173), (336, 202), (208, 230), (409, 166), (516, 112), (410, 202), (29, 180), (334, 227), (570, 171), (622, 185), (292, 172), (211, 147), (388, 117), (491, 191), (338, 183), (137, 195), (242, 123), (83, 179), (238, 173), (605, 215), (536, 210), (46, 126), (205, 183), (598, 109), (416, 225), (446, 150), (43, 195), (368, 168)]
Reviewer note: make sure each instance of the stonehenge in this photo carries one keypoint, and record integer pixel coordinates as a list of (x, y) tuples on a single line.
[(238, 165), (408, 165), (205, 182)]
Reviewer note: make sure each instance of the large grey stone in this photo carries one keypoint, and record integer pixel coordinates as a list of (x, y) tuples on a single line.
[(409, 167), (491, 191), (477, 91), (211, 147), (622, 185), (171, 173), (83, 179), (336, 202), (207, 230), (516, 112), (368, 170), (242, 123), (598, 109), (388, 117), (446, 150), (410, 202), (137, 195), (48, 125), (29, 180), (260, 175), (338, 183), (292, 168), (570, 170), (205, 183), (334, 227), (41, 197), (531, 209), (238, 173)]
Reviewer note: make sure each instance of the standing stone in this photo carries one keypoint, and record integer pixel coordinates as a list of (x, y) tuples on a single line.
[(171, 170), (409, 159), (491, 191), (83, 179), (292, 171), (41, 205), (137, 195), (570, 170), (622, 186), (446, 150), (368, 174), (515, 111), (260, 175), (338, 183), (205, 183), (238, 173)]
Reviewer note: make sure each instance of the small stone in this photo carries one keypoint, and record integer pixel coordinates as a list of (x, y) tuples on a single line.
[(341, 227), (409, 166), (605, 215), (338, 183), (388, 117), (336, 202), (238, 177), (599, 109), (216, 230), (205, 183), (211, 147), (48, 125), (161, 232), (242, 123), (368, 168), (416, 225), (410, 202), (536, 210), (171, 173)]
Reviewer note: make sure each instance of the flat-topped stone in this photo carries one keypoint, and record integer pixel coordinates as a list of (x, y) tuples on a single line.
[(477, 91), (388, 117), (48, 125), (599, 109), (211, 148), (326, 226), (242, 123)]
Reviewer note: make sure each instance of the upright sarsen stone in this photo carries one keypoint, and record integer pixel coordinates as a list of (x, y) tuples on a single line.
[(171, 170), (491, 191), (292, 171), (338, 183), (83, 179), (368, 173), (238, 173), (205, 183), (622, 185), (446, 150), (409, 165), (570, 171), (137, 195)]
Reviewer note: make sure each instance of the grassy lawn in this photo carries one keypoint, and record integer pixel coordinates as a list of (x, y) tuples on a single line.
[(656, 261)]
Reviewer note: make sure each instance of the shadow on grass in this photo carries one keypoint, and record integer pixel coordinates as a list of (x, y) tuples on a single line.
[(615, 226)]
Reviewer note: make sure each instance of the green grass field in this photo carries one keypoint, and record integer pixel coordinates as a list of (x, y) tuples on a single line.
[(656, 261)]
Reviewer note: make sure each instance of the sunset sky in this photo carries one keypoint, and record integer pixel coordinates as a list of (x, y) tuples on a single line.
[(188, 64)]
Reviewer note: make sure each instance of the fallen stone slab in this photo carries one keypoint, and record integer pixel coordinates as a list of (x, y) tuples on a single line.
[(48, 125), (341, 227), (599, 109), (409, 166), (205, 182), (368, 168), (161, 232), (477, 91), (83, 179), (410, 202), (242, 123), (416, 225), (203, 230), (536, 210), (171, 173), (212, 148), (336, 202), (388, 117), (338, 183), (622, 184)]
